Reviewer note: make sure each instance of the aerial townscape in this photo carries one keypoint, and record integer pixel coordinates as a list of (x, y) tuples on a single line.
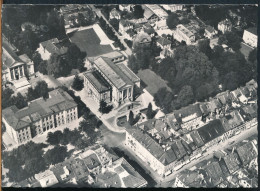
[(129, 96)]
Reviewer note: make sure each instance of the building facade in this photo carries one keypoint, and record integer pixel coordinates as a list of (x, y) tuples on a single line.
[(250, 37), (225, 26), (111, 80), (183, 34), (40, 116), (15, 67), (173, 8)]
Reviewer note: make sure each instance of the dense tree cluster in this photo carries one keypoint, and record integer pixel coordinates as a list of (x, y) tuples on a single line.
[(172, 21), (150, 112), (24, 161), (110, 33), (40, 90), (143, 56), (231, 39), (211, 15)]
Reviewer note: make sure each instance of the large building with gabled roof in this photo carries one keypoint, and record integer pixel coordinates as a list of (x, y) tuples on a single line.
[(40, 116), (110, 80)]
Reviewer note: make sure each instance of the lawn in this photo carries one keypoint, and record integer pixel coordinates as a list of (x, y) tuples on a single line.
[(88, 41), (245, 50), (152, 81)]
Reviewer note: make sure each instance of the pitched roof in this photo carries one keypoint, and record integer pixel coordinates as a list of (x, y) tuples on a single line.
[(97, 80), (54, 46), (191, 179), (210, 29), (128, 72), (250, 109), (114, 74), (231, 120), (214, 174), (188, 113), (246, 153), (224, 97), (163, 41), (211, 131), (58, 101), (148, 13), (165, 157), (196, 138), (232, 162), (252, 30)]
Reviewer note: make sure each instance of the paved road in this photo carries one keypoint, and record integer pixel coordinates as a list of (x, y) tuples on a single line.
[(128, 51)]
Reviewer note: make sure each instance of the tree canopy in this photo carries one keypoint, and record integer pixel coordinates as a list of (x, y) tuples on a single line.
[(78, 84), (172, 21), (138, 12)]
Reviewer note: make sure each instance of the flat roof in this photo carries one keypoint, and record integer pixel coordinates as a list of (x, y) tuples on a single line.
[(88, 41)]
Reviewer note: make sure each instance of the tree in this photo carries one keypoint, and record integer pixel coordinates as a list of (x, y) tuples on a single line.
[(41, 90), (104, 108), (172, 21), (149, 113), (55, 155), (132, 63), (34, 166), (6, 97), (19, 101), (42, 67), (138, 12), (37, 59), (58, 66), (205, 47), (55, 23), (252, 55), (230, 81), (78, 84), (233, 40), (54, 138), (185, 96), (115, 23), (131, 118)]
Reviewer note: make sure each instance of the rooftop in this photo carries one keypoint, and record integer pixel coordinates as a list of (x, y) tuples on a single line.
[(114, 74), (214, 174), (58, 101), (54, 46), (128, 72), (156, 9), (210, 29), (97, 80), (184, 30), (91, 40), (232, 162), (247, 153), (252, 30), (188, 113), (92, 161), (165, 157), (231, 120), (196, 138), (191, 179), (211, 130), (163, 41)]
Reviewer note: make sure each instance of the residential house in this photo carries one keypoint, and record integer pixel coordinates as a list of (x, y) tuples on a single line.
[(224, 98), (14, 67), (183, 34), (120, 175), (41, 115), (189, 179), (163, 43), (147, 28), (213, 174), (113, 82), (167, 52), (172, 7), (114, 14), (162, 160), (188, 117), (125, 7), (247, 152), (124, 25), (250, 37), (232, 162), (50, 47), (196, 138), (157, 10), (142, 39), (46, 178), (230, 123), (210, 32), (225, 26), (211, 133), (149, 15), (161, 25)]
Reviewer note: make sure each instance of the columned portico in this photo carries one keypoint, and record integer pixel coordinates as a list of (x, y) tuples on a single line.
[(17, 72)]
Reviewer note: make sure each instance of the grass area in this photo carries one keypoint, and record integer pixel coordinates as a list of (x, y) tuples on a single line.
[(89, 42), (245, 50), (152, 81)]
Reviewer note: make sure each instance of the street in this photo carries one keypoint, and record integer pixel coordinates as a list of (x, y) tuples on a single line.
[(128, 51)]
